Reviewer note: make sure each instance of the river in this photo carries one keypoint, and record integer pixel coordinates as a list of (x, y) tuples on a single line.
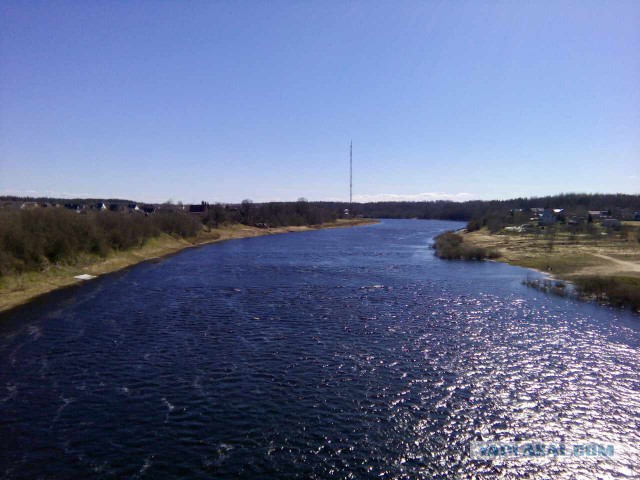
[(344, 353)]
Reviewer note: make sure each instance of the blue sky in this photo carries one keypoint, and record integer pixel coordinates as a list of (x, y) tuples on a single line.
[(229, 100)]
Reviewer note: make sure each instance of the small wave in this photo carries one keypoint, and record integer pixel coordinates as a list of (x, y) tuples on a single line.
[(34, 331), (13, 391), (168, 405), (147, 463)]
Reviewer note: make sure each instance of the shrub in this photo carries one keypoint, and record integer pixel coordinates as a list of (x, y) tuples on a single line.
[(29, 240), (473, 225), (616, 290), (451, 246), (176, 223), (32, 239)]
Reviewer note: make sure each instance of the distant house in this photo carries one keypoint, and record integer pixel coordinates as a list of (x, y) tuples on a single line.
[(346, 212), (29, 205), (612, 223), (116, 207), (73, 206), (201, 208), (636, 216), (595, 213), (169, 207), (538, 211), (133, 207), (148, 209), (99, 206), (547, 218), (558, 211)]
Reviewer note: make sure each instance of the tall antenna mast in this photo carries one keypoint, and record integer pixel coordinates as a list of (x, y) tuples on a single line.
[(351, 173)]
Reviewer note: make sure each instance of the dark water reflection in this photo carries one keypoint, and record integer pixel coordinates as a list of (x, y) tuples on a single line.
[(344, 353)]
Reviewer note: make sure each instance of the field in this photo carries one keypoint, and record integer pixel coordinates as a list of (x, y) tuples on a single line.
[(563, 254), (601, 264)]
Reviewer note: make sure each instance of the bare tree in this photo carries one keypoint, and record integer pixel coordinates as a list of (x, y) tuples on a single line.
[(246, 207)]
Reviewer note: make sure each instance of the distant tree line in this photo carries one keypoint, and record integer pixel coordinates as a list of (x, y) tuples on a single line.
[(481, 209), (499, 214), (29, 239), (86, 201), (304, 212), (272, 214)]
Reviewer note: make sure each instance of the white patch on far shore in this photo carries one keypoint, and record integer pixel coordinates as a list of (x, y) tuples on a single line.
[(84, 276)]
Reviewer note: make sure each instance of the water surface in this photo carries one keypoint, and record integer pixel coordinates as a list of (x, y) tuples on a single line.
[(346, 353)]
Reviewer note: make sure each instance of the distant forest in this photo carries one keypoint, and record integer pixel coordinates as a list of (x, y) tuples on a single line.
[(304, 212), (465, 211), (33, 237)]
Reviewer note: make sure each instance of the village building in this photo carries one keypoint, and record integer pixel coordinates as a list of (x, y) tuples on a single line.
[(201, 208), (29, 205), (612, 223), (76, 207), (547, 218)]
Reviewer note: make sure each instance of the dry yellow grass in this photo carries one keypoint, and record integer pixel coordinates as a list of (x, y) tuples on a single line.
[(19, 289), (565, 256)]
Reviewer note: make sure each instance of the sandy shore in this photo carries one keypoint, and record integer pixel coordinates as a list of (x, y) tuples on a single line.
[(19, 289)]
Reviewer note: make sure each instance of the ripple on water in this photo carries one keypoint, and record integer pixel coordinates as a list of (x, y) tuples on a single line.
[(344, 353)]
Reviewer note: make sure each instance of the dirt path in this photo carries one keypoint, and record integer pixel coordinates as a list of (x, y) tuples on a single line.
[(615, 266), (569, 257)]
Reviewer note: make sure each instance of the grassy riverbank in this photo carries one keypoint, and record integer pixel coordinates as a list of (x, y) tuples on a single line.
[(20, 288), (605, 266)]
